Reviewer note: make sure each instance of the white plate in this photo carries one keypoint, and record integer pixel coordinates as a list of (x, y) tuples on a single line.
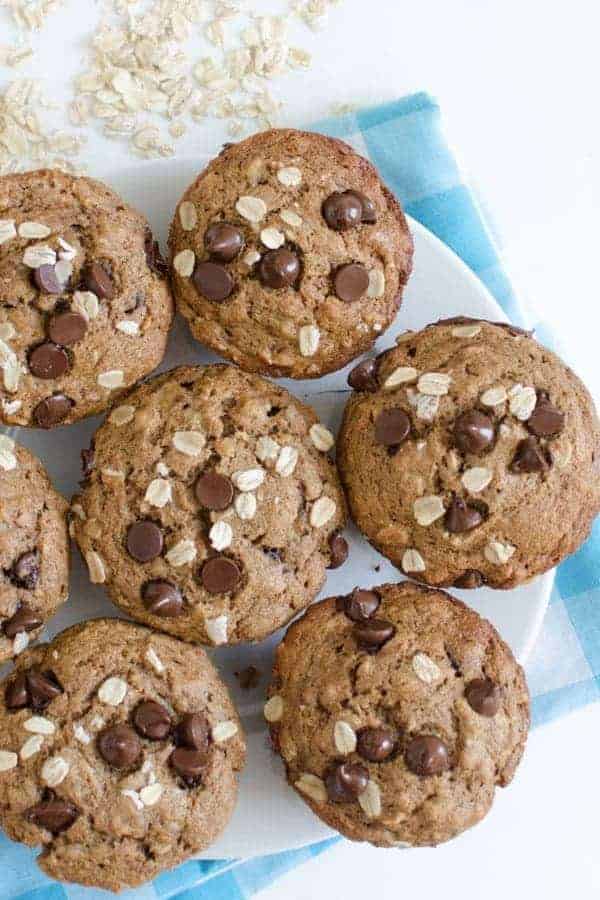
[(269, 816)]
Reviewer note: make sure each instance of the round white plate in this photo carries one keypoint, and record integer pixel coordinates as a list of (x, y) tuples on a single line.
[(269, 816)]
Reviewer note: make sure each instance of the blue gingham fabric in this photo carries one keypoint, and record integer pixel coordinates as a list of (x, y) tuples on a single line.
[(405, 141)]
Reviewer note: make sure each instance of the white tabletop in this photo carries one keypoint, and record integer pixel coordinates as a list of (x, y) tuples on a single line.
[(517, 82)]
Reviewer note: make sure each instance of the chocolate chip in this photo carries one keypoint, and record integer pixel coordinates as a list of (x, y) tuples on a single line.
[(369, 213), (338, 548), (351, 282), (223, 241), (483, 696), (213, 281), (373, 634), (152, 720), (193, 731), (25, 619), (375, 744), (52, 411), (360, 605), (119, 746), (473, 432), (346, 781), (427, 755), (469, 580), (46, 280), (343, 210), (48, 360), (220, 575), (392, 426), (546, 420), (189, 764), (87, 462), (279, 268), (144, 540), (363, 377), (214, 491), (154, 259), (161, 598), (529, 457), (43, 687), (67, 328), (461, 517), (16, 695), (99, 282), (53, 815), (25, 571)]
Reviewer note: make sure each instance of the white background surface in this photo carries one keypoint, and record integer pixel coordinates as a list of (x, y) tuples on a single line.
[(518, 83)]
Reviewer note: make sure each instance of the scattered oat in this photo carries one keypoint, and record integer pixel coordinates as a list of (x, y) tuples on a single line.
[(158, 492), (434, 384), (155, 661), (291, 218), (251, 208), (494, 396), (81, 735), (31, 747), (245, 506), (428, 510), (322, 511), (498, 552), (376, 287), (216, 629), (425, 668), (54, 771), (113, 691), (127, 326), (221, 535), (8, 760), (96, 567), (522, 401), (121, 415), (321, 437), (190, 443), (188, 215), (39, 725), (313, 787), (477, 479), (248, 479), (181, 553), (272, 238), (290, 176), (267, 450), (85, 303), (401, 375), (308, 340), (223, 731), (184, 263), (20, 643), (466, 331), (344, 737), (273, 708), (412, 561), (8, 460), (370, 800), (286, 461), (111, 380)]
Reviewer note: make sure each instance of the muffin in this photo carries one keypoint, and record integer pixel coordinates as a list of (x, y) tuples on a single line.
[(86, 307), (289, 256), (211, 508), (471, 455), (119, 754), (407, 713), (34, 548)]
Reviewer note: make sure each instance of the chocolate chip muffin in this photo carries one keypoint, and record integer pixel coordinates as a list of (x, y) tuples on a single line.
[(406, 714), (289, 255), (211, 508), (34, 548), (471, 455), (119, 754), (85, 307)]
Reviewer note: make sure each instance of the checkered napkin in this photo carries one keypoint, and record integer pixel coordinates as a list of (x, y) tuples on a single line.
[(404, 140)]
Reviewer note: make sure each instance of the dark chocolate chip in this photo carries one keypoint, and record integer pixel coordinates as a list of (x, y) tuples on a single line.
[(52, 411), (25, 619), (48, 361), (67, 328), (360, 605), (144, 540), (152, 720), (53, 815), (25, 571), (529, 457), (98, 280), (43, 687), (375, 744), (461, 517), (220, 575), (392, 426), (161, 598), (351, 282), (546, 420), (214, 491), (469, 580), (338, 548), (369, 213), (46, 280), (343, 210), (193, 731), (473, 432), (346, 781), (279, 268), (16, 695), (223, 241), (119, 746), (363, 377), (213, 281), (427, 755), (484, 696), (189, 764), (154, 259), (373, 634)]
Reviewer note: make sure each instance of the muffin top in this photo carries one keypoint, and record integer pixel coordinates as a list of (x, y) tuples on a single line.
[(289, 255), (34, 548), (85, 307), (402, 719), (471, 455), (119, 752), (211, 508)]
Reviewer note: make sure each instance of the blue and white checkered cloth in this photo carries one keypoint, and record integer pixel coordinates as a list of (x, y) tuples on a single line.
[(406, 143)]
